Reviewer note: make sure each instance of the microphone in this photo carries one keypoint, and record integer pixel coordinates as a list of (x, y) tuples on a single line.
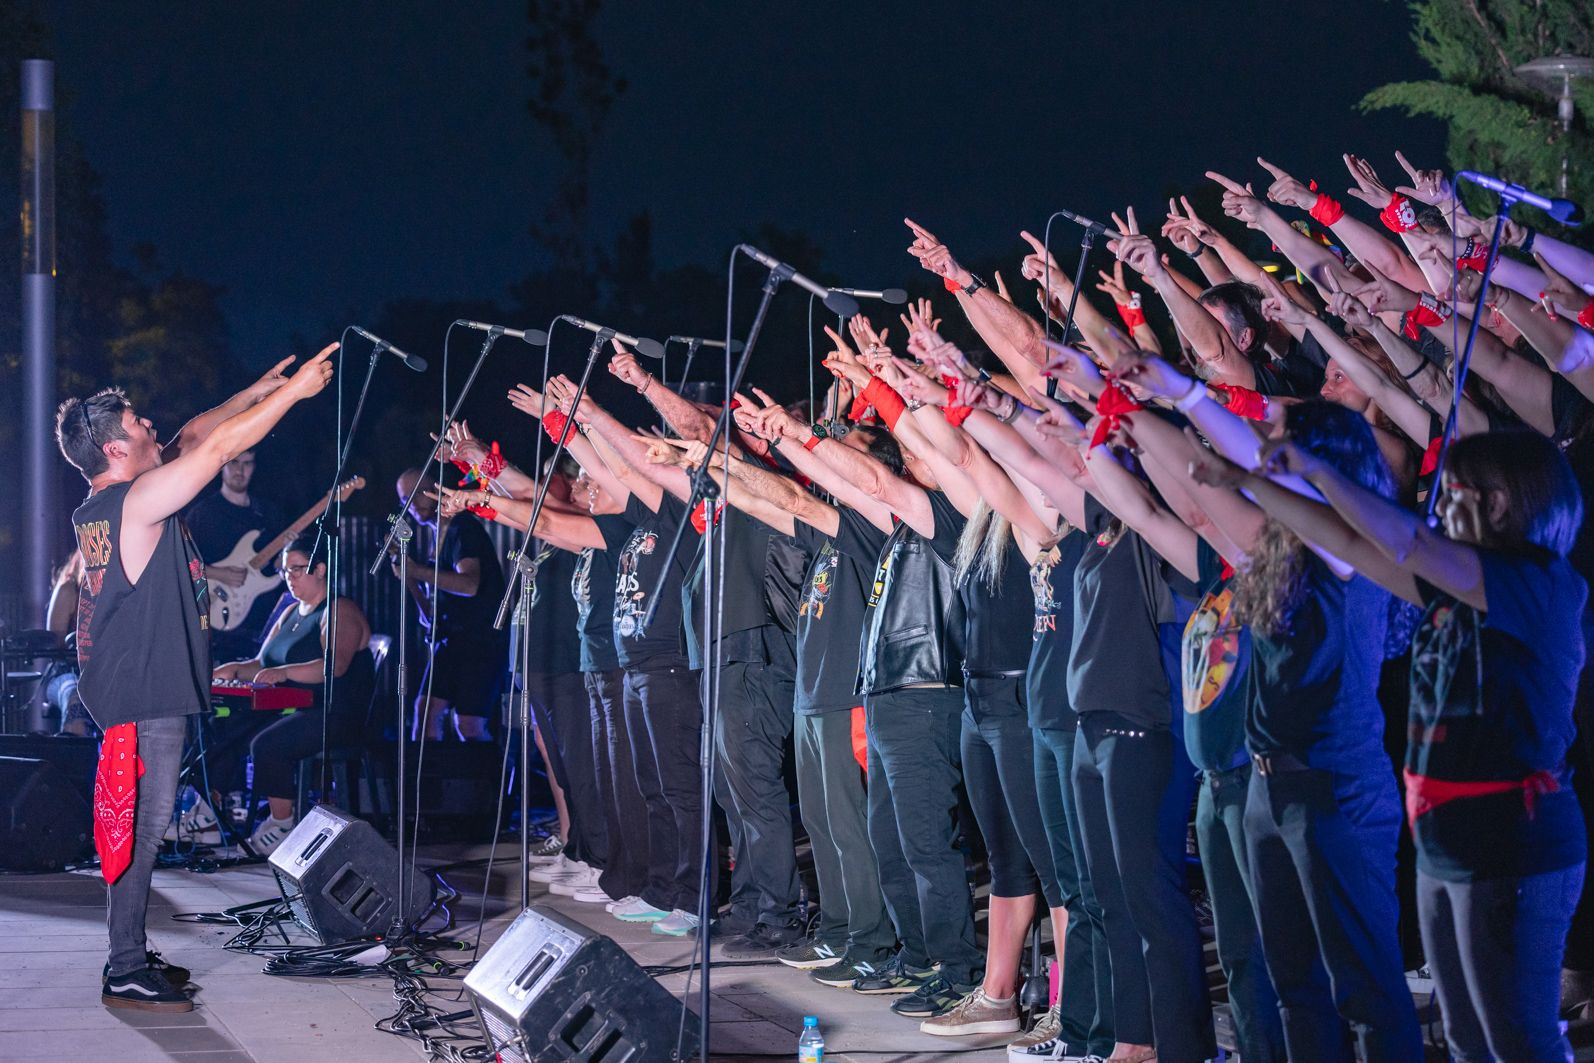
[(535, 337), (836, 301), (1080, 219), (894, 296), (416, 363), (1562, 210), (698, 341), (643, 345)]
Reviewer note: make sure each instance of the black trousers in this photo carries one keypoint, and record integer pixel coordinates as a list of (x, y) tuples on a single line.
[(1322, 849), (834, 803), (564, 715), (276, 750), (1133, 812), (913, 781), (750, 735), (625, 813), (1220, 829), (665, 719), (998, 750), (1085, 999)]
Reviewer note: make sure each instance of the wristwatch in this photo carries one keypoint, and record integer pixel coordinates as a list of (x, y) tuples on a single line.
[(819, 430), (974, 284)]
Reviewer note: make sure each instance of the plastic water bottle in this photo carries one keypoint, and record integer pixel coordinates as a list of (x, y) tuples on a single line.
[(811, 1045)]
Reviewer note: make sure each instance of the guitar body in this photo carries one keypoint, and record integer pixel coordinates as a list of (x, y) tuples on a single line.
[(230, 606)]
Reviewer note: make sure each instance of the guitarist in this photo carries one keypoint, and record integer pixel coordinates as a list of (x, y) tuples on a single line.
[(217, 522)]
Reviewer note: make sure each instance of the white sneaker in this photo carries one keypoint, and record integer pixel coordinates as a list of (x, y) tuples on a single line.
[(570, 885), (558, 867), (623, 902), (270, 834), (677, 924), (594, 895), (638, 911), (197, 826)]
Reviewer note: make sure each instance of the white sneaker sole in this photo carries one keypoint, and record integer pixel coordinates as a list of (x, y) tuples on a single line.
[(811, 965), (602, 898), (565, 889), (970, 1029)]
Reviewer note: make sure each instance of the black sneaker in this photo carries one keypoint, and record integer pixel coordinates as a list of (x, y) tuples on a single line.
[(145, 989), (807, 954), (895, 977), (177, 976), (850, 970), (762, 941), (936, 996)]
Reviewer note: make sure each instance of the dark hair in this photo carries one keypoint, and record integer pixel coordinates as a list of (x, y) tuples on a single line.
[(1342, 438), (304, 543), (1239, 305), (84, 426), (1544, 504), (884, 448), (567, 466)]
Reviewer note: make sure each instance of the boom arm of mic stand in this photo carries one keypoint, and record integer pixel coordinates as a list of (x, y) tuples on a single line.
[(598, 340), (437, 444), (703, 485), (1086, 242)]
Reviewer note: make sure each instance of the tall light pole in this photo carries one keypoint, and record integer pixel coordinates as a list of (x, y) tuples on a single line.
[(1555, 74), (38, 325)]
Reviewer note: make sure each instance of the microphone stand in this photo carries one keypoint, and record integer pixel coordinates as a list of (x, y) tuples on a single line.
[(400, 535), (1086, 242), (524, 576), (703, 488), (1509, 197)]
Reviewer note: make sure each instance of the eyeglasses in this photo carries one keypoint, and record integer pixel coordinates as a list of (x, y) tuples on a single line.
[(296, 570)]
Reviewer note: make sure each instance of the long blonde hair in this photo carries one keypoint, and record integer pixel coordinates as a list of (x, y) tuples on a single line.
[(982, 547)]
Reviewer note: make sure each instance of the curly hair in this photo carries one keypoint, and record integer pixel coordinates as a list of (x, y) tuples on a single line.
[(1272, 584)]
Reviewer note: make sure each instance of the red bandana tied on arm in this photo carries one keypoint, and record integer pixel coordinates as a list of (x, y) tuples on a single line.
[(700, 515), (955, 415), (1399, 216), (554, 422), (1327, 210), (1429, 311), (1242, 402), (1472, 255), (1131, 313), (884, 398), (1585, 316), (116, 799), (1112, 405)]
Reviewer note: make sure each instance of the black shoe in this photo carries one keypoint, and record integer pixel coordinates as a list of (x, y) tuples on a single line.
[(730, 925), (937, 996), (851, 970), (806, 954), (893, 977), (145, 989), (762, 941), (177, 976)]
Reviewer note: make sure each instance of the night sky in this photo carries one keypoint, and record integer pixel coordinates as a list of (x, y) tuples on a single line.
[(318, 160)]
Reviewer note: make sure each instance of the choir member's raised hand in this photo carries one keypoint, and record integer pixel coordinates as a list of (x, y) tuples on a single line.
[(1369, 189), (625, 366), (1285, 190), (934, 256), (1427, 186), (1239, 201), (527, 399)]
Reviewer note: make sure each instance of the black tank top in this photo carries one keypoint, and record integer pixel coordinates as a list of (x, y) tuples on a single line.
[(144, 649), (299, 640)]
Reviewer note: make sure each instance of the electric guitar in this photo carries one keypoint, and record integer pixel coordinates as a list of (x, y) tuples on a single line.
[(229, 606)]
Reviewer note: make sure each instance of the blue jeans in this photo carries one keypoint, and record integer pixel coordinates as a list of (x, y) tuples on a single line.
[(160, 747), (1494, 947)]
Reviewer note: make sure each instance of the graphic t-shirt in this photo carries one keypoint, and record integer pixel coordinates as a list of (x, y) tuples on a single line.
[(1491, 701), (637, 573), (592, 584), (555, 637), (831, 612), (1051, 580), (143, 648), (459, 616), (1216, 653)]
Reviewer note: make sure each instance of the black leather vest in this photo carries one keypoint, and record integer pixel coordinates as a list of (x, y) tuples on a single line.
[(913, 632)]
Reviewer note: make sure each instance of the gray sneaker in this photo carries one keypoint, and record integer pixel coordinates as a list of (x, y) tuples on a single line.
[(808, 954), (1040, 1040)]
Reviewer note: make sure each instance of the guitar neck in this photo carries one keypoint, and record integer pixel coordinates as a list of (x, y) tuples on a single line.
[(274, 547)]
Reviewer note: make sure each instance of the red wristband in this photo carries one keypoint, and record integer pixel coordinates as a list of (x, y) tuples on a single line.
[(858, 410), (1399, 216), (554, 422), (492, 462), (1472, 256), (1585, 317), (1429, 311), (1113, 403), (884, 398), (1133, 316), (1243, 402), (1327, 210), (951, 285), (813, 441), (484, 511)]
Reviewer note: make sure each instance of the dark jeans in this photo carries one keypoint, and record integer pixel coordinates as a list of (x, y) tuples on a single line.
[(913, 781), (276, 750), (1494, 947), (1220, 829), (625, 813), (1322, 849), (665, 717), (1133, 812), (563, 712), (160, 747), (750, 736), (999, 774), (1085, 999), (833, 800)]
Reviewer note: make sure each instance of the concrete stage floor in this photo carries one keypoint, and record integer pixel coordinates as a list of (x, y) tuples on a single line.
[(52, 946)]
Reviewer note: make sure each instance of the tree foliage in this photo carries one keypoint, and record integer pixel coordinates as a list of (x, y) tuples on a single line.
[(1499, 122)]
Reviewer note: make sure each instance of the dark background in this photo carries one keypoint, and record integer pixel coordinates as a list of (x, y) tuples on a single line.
[(241, 181)]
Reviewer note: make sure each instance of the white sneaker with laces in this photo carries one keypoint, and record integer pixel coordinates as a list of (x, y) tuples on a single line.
[(593, 895), (558, 867), (197, 826), (623, 902), (569, 885), (677, 924), (270, 834), (638, 911)]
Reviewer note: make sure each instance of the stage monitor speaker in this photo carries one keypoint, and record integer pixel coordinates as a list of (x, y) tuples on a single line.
[(44, 822), (340, 878), (553, 990)]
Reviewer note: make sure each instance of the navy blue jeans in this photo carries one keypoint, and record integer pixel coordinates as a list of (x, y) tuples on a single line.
[(1494, 947), (1322, 849)]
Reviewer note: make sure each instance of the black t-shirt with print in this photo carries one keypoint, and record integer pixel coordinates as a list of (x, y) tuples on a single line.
[(831, 611), (996, 620), (555, 636), (592, 588), (1052, 586), (637, 572), (1491, 701), (1216, 653), (470, 617)]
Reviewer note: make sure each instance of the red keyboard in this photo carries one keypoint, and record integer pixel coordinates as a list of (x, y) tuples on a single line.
[(258, 697)]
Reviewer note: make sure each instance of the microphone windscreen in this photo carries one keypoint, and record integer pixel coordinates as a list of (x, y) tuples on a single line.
[(415, 362), (841, 305), (894, 296), (649, 348), (536, 337), (736, 346), (1567, 213)]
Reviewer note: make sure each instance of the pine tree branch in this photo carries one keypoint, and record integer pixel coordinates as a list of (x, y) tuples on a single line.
[(1488, 33)]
